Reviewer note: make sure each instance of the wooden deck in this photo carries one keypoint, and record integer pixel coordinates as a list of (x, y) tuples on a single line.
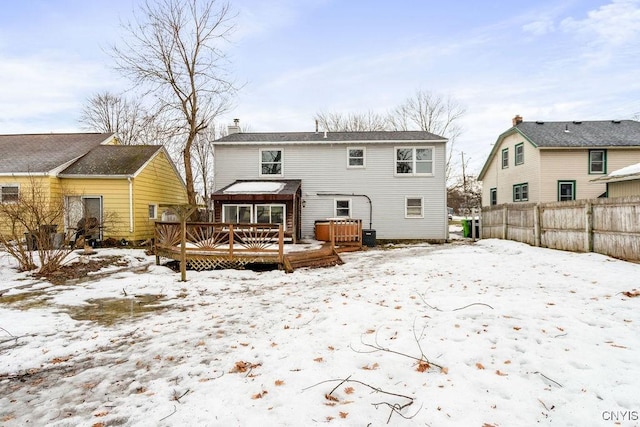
[(206, 246)]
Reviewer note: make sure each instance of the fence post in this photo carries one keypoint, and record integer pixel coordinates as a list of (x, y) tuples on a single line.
[(588, 213), (505, 216), (536, 225)]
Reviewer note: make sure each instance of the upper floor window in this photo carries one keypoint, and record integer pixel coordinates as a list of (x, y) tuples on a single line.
[(271, 162), (493, 196), (519, 153), (9, 193), (355, 157), (521, 192), (598, 161), (505, 158), (566, 190), (413, 207), (414, 161), (342, 208)]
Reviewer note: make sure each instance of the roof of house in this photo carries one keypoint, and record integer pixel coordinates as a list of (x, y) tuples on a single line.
[(602, 133), (112, 160), (628, 173), (329, 137), (259, 189), (41, 153), (572, 134)]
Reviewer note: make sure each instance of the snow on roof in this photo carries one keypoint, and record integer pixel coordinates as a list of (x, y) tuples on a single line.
[(255, 187), (629, 170)]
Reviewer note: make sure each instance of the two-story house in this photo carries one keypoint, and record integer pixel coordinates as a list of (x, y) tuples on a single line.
[(557, 161), (393, 181)]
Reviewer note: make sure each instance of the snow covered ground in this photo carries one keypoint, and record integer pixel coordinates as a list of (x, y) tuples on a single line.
[(494, 333)]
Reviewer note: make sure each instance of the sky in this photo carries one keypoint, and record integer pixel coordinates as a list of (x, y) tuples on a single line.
[(544, 60), (452, 333)]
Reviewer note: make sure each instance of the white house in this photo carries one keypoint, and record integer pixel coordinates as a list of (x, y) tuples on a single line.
[(393, 181)]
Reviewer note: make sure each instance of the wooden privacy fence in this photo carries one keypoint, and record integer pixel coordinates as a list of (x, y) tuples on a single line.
[(606, 226)]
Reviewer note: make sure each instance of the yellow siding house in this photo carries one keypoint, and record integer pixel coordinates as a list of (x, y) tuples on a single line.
[(125, 187)]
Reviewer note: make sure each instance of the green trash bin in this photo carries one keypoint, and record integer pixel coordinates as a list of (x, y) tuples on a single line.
[(466, 227)]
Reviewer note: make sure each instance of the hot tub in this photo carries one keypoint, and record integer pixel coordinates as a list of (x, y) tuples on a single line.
[(344, 231)]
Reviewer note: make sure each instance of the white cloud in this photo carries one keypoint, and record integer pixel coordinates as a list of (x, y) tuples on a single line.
[(539, 27), (612, 24)]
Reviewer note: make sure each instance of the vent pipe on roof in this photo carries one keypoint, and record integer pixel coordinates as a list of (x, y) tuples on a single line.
[(566, 127), (316, 125), (325, 134)]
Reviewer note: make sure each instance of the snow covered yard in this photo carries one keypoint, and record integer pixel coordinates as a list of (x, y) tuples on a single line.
[(494, 333)]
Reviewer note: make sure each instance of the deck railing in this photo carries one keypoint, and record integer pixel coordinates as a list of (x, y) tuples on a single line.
[(231, 242)]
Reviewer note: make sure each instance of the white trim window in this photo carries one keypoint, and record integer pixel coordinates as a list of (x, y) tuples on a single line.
[(153, 211), (356, 157), (271, 162), (9, 193), (413, 207), (414, 161), (237, 214), (342, 208), (270, 214)]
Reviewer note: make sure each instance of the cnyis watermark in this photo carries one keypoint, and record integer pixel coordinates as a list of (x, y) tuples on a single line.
[(620, 415)]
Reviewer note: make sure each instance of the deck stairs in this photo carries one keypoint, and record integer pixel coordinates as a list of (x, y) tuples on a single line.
[(326, 256)]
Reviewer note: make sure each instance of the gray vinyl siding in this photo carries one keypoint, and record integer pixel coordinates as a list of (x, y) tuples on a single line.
[(323, 168)]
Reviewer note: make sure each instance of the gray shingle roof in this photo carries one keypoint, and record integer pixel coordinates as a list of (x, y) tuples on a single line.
[(604, 133), (319, 137), (38, 153), (111, 160)]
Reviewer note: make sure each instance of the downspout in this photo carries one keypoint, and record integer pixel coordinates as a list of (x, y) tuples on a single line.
[(130, 205), (353, 195)]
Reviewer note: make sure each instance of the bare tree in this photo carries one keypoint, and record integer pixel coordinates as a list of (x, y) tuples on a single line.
[(203, 157), (38, 220), (352, 122), (433, 113), (173, 50)]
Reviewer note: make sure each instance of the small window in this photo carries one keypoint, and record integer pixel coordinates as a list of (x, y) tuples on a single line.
[(414, 161), (153, 211), (519, 149), (566, 190), (343, 208), (598, 162), (271, 162), (521, 192), (355, 157), (505, 158), (237, 214), (493, 196), (270, 214), (413, 207), (9, 193)]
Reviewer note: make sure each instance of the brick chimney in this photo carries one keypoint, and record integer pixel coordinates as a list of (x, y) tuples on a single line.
[(516, 120)]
